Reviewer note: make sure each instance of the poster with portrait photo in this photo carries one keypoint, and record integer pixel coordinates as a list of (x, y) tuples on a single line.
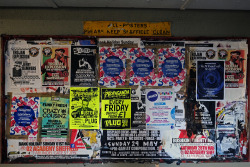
[(83, 66), (55, 65)]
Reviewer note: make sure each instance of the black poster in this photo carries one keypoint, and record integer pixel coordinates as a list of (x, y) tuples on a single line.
[(132, 144), (83, 64), (138, 117)]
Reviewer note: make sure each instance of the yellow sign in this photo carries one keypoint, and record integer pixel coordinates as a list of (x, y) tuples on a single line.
[(113, 28)]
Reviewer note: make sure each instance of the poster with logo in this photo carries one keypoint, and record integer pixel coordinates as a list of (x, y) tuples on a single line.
[(210, 83), (84, 108), (55, 65), (160, 109), (24, 116), (116, 108), (83, 66), (235, 68), (172, 70), (55, 116), (199, 52), (24, 66), (142, 67), (112, 66)]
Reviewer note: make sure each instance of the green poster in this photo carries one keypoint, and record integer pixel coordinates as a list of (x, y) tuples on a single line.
[(84, 108), (116, 108), (54, 112)]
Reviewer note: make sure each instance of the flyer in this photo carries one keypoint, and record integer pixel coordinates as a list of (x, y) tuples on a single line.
[(84, 108), (55, 115), (172, 70), (181, 144), (160, 109), (180, 120), (199, 52), (83, 65), (133, 144), (112, 66), (55, 65), (116, 108), (210, 82), (25, 66), (235, 69), (205, 115), (142, 67), (24, 116)]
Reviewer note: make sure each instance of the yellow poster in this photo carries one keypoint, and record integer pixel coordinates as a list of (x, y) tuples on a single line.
[(84, 108), (116, 108), (114, 28)]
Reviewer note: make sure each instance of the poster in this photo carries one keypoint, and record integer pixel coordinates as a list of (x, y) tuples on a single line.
[(210, 80), (132, 144), (181, 144), (25, 65), (199, 52), (55, 65), (180, 120), (235, 68), (160, 109), (112, 66), (172, 70), (55, 116), (83, 66), (205, 115), (24, 116), (116, 108), (84, 108), (50, 148), (142, 67)]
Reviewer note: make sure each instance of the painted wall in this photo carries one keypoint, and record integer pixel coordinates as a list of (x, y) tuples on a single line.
[(189, 23)]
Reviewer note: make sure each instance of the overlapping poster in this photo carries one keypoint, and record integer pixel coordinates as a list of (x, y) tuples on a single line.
[(83, 66), (25, 66), (210, 84), (142, 67), (24, 116), (84, 108), (55, 116), (55, 65), (160, 109), (172, 70), (116, 108), (112, 66)]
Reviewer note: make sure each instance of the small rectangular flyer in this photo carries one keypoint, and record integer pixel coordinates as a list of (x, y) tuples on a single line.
[(24, 116), (160, 109), (116, 108), (55, 115), (55, 65), (210, 83), (83, 66), (84, 108)]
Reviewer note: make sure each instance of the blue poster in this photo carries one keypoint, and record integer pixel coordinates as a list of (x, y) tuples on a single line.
[(210, 80)]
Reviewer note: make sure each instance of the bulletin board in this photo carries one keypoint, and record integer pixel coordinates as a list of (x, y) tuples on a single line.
[(90, 99)]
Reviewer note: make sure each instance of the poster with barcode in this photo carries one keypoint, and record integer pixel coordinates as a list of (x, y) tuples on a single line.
[(83, 66)]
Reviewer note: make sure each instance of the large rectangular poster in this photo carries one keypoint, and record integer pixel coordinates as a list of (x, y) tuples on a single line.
[(83, 66), (55, 115), (25, 66), (116, 108), (210, 80), (55, 65), (160, 109), (84, 108)]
